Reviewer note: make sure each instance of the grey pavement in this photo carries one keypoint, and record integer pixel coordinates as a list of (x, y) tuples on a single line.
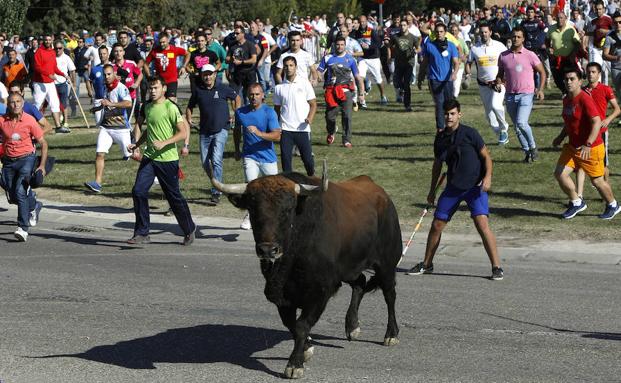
[(79, 305)]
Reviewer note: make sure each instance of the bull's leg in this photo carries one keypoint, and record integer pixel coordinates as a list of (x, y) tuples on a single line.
[(287, 316), (387, 283), (309, 316), (352, 324)]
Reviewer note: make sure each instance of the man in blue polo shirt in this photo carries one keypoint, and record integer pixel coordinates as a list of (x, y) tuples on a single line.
[(98, 81), (441, 63), (260, 127), (212, 99)]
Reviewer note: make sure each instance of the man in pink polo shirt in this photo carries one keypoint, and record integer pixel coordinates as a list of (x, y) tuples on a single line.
[(17, 130), (516, 67)]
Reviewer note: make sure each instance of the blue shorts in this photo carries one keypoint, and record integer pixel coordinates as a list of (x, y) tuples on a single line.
[(451, 197)]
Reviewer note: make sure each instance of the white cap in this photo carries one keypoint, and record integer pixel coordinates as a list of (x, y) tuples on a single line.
[(208, 68)]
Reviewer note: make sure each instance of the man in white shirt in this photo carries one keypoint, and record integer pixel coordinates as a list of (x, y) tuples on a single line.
[(295, 104), (66, 65), (485, 54), (305, 62)]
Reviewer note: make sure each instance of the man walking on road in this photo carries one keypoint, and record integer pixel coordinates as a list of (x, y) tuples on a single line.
[(469, 179), (165, 127), (213, 101)]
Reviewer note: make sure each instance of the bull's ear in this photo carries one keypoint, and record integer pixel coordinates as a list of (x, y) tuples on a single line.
[(237, 200)]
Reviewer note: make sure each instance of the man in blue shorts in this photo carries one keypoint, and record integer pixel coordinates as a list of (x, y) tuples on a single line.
[(469, 178)]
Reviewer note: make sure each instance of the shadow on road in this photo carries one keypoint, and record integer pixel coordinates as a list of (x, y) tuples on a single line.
[(584, 334), (212, 343), (402, 270)]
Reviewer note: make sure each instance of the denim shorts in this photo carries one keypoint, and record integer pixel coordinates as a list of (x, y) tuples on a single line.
[(451, 197)]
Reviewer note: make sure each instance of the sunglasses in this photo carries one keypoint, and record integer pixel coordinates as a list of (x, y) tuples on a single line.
[(59, 48)]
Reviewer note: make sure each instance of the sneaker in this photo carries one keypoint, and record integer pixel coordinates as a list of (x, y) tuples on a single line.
[(93, 186), (384, 101), (347, 145), (62, 129), (330, 139), (363, 105), (420, 269), (34, 214), (408, 109), (610, 212), (503, 138), (497, 274), (214, 200), (528, 158), (355, 107), (139, 239), (21, 235), (246, 225), (189, 238), (534, 155), (573, 210)]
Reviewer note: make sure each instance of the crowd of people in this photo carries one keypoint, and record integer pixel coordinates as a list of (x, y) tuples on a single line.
[(515, 52)]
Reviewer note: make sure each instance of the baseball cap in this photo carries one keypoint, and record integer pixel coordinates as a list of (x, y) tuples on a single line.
[(208, 68)]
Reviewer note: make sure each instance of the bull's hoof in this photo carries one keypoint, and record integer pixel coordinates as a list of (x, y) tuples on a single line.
[(354, 334), (294, 373), (308, 353), (391, 341)]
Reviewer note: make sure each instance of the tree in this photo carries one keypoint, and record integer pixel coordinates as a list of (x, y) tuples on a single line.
[(12, 15)]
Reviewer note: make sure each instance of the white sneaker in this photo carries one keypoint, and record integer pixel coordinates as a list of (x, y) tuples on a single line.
[(21, 235), (246, 222)]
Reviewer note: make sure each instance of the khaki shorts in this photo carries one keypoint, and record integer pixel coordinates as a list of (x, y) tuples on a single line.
[(593, 167)]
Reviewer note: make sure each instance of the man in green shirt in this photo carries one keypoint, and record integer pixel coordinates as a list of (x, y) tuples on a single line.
[(563, 43), (165, 127)]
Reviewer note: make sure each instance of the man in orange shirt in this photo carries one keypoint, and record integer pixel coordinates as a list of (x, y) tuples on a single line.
[(18, 130), (13, 70)]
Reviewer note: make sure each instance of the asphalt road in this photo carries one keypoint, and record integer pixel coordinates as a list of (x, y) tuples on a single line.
[(78, 305)]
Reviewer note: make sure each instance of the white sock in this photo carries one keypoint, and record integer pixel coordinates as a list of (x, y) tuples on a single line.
[(613, 203), (577, 202)]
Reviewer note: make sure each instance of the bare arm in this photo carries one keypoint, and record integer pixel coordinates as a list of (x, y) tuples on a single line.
[(487, 178), (313, 109), (43, 144), (542, 80), (616, 111)]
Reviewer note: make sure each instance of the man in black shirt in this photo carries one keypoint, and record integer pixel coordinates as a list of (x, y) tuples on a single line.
[(242, 59), (200, 57), (469, 179)]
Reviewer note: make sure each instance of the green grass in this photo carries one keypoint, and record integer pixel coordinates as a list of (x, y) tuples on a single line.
[(394, 148)]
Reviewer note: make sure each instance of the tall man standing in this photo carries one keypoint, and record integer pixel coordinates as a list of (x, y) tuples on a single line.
[(165, 56), (404, 47), (305, 62), (585, 149), (165, 127), (295, 104), (597, 32), (469, 179), (242, 59), (18, 130), (516, 68), (66, 65), (45, 72), (612, 52), (441, 62), (258, 123), (485, 55), (213, 102)]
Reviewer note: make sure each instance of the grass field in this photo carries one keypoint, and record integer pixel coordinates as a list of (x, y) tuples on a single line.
[(394, 148)]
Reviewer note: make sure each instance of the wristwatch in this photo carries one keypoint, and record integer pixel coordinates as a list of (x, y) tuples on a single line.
[(186, 146), (588, 144)]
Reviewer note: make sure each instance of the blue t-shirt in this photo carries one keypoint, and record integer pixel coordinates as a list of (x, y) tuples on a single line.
[(31, 110), (440, 59), (99, 82), (213, 105), (266, 120), (340, 70)]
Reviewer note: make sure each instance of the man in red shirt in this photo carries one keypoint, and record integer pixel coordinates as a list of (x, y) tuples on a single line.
[(585, 149), (165, 56), (602, 95), (18, 130), (599, 28), (45, 71)]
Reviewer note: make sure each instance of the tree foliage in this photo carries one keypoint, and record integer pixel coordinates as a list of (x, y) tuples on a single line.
[(12, 15)]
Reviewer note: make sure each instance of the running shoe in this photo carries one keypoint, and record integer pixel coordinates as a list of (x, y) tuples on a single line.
[(34, 214), (610, 212), (420, 269), (497, 274), (572, 210), (93, 186)]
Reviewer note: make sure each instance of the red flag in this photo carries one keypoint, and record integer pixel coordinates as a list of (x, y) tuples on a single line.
[(180, 174)]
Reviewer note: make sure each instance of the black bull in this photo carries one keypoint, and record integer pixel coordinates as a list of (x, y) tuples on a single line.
[(311, 236)]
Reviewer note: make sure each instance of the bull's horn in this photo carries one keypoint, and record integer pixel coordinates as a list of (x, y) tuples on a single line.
[(226, 188), (324, 176), (304, 189)]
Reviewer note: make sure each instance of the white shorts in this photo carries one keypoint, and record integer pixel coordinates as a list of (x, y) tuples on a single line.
[(46, 91), (372, 65), (99, 113), (118, 136)]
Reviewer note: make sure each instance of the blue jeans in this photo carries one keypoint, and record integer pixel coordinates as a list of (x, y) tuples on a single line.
[(441, 91), (212, 149), (519, 106), (168, 175), (15, 177), (264, 76)]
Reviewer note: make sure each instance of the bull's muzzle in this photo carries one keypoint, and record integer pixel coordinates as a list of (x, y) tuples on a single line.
[(268, 250)]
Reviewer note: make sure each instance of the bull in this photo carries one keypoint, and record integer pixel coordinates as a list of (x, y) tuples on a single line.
[(311, 235)]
